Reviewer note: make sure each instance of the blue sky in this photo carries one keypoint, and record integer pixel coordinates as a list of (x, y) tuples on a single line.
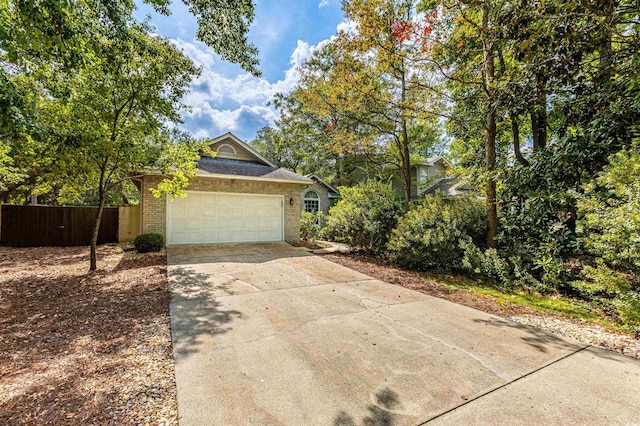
[(226, 98)]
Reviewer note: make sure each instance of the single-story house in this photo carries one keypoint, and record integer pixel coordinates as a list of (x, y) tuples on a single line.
[(319, 196), (237, 196)]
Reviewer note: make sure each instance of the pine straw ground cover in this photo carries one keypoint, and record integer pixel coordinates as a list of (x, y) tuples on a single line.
[(79, 348), (559, 316)]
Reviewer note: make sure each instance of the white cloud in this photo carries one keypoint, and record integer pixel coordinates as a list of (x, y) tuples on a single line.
[(323, 3), (199, 52), (348, 27), (220, 103)]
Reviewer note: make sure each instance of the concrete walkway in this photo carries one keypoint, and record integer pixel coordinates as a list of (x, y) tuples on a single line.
[(268, 334)]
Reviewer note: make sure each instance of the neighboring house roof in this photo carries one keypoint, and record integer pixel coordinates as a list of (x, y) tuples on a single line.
[(333, 193), (450, 186), (248, 148), (431, 161), (227, 166)]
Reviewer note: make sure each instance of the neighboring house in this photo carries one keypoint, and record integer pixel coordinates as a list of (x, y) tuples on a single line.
[(427, 177), (319, 196), (237, 196), (425, 173)]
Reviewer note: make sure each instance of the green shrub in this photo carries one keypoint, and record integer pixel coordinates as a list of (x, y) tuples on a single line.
[(628, 309), (146, 243), (601, 281), (428, 236), (489, 264), (610, 212), (311, 225), (364, 216)]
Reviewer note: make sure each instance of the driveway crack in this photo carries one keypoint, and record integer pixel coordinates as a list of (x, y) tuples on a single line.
[(448, 345), (504, 385)]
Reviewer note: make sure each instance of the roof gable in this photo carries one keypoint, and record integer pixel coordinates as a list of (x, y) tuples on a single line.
[(315, 178), (432, 161), (231, 147)]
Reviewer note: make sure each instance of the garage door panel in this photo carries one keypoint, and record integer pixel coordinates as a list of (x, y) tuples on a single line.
[(179, 238), (215, 217), (193, 211), (194, 237), (192, 224), (209, 212)]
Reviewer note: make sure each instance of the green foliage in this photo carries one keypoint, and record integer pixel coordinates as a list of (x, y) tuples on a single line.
[(428, 236), (364, 216), (146, 243), (610, 211), (612, 290), (487, 264), (63, 31), (601, 281), (510, 272), (56, 48), (311, 225), (628, 310), (9, 174)]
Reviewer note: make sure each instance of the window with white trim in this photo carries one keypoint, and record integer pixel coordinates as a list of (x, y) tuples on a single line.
[(311, 202)]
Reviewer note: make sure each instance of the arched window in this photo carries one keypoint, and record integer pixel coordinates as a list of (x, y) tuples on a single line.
[(311, 202), (226, 149)]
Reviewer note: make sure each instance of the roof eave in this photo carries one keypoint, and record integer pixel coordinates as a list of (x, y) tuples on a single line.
[(257, 178), (241, 177)]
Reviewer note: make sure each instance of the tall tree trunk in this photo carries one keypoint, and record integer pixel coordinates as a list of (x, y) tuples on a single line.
[(406, 153), (406, 162), (93, 260), (490, 136), (515, 130), (539, 114)]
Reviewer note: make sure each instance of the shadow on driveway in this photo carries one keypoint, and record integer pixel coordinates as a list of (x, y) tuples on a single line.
[(380, 413)]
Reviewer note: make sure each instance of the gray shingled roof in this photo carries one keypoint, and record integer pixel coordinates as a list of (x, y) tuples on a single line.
[(333, 192), (226, 166), (450, 186)]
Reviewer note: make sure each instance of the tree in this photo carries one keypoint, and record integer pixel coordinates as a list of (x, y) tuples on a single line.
[(299, 141), (109, 115), (563, 97), (370, 87), (63, 30), (44, 41)]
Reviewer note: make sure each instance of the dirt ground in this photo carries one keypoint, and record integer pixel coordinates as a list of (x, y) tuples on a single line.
[(79, 348)]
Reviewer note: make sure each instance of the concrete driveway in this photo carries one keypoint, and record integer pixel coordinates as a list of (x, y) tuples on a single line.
[(268, 334)]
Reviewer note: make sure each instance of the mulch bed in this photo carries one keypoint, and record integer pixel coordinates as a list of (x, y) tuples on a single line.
[(80, 348)]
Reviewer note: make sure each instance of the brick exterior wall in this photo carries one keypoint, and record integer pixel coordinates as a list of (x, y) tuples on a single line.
[(154, 210), (323, 196)]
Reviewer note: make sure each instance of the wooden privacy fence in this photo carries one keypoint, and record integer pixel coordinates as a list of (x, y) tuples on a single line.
[(34, 226)]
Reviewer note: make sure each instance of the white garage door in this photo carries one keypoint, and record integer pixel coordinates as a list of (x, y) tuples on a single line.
[(209, 217)]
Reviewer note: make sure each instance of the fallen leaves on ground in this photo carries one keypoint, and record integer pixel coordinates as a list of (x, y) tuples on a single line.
[(80, 348)]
